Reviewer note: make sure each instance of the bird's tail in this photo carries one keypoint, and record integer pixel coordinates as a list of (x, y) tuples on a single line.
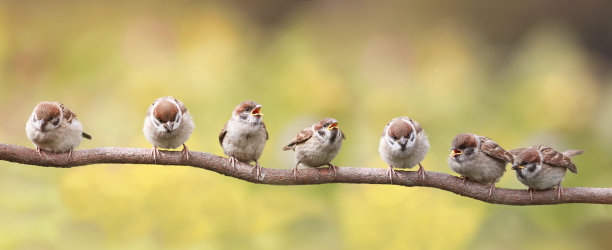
[(86, 135), (573, 152)]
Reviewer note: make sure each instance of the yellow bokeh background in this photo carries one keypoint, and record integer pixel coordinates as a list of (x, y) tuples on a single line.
[(361, 63)]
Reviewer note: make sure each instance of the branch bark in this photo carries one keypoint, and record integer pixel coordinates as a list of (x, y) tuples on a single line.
[(308, 176)]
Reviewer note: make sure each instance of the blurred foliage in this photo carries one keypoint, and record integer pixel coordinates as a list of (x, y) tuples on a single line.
[(523, 77)]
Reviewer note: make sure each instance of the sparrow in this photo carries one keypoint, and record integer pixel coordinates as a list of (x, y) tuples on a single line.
[(541, 167), (479, 159), (244, 136), (54, 128), (403, 144), (317, 145), (168, 124)]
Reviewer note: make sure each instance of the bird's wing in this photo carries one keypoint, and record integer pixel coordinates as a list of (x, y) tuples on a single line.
[(265, 129), (555, 158), (492, 149), (300, 138), (68, 114), (223, 133)]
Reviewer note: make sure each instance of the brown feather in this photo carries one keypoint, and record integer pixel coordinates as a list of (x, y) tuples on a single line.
[(223, 133), (243, 105), (165, 111), (47, 110), (515, 152), (181, 105), (464, 140), (265, 129), (301, 137), (400, 129), (573, 152), (555, 158), (492, 149), (529, 155), (68, 114)]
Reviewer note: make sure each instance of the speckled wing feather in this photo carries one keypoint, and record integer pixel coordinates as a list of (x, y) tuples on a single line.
[(265, 129), (301, 137), (223, 133), (555, 158), (68, 114), (492, 149)]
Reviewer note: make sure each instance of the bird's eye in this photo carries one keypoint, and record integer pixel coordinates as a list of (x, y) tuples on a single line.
[(394, 137), (247, 109)]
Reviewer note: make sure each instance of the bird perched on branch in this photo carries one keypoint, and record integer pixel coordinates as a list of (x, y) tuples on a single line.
[(479, 159), (403, 144), (541, 167), (168, 124), (244, 136), (53, 127), (317, 145)]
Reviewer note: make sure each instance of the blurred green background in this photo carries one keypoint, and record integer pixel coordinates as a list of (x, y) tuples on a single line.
[(520, 72)]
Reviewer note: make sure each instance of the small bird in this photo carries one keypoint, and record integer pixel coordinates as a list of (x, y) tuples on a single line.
[(244, 136), (541, 167), (317, 145), (53, 127), (168, 124), (479, 159), (403, 144)]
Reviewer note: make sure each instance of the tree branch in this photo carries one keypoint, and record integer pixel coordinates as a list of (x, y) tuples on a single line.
[(307, 176)]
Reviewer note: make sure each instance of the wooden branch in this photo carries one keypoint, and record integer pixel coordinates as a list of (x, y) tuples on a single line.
[(306, 176)]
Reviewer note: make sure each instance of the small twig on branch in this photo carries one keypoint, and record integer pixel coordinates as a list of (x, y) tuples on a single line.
[(307, 176)]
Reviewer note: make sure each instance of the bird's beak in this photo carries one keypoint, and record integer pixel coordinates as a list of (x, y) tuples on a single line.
[(455, 152), (517, 167), (403, 141), (257, 111), (334, 125), (169, 126)]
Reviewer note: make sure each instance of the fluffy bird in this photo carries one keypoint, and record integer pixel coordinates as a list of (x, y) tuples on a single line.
[(317, 145), (541, 167), (244, 136), (479, 159), (54, 128), (168, 124), (403, 144)]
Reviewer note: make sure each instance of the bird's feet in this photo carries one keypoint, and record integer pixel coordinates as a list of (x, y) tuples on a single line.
[(295, 172), (155, 153), (559, 191), (491, 188), (185, 152), (232, 161), (41, 152), (257, 169), (391, 173), (70, 154), (333, 168), (422, 171)]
